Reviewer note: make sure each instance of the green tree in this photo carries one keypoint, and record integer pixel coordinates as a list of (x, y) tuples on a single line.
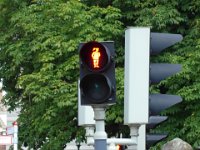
[(39, 63), (179, 17), (175, 17)]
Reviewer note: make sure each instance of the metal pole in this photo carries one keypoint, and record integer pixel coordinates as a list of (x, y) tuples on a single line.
[(89, 135), (15, 141), (134, 133), (112, 146), (100, 135), (142, 137)]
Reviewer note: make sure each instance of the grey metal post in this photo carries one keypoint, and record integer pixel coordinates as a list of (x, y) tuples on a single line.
[(100, 135), (15, 141), (100, 144)]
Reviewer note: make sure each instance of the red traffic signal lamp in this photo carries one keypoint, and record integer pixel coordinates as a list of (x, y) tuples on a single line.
[(95, 56), (97, 73)]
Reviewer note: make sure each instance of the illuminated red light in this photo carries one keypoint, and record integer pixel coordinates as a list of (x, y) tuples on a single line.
[(95, 57)]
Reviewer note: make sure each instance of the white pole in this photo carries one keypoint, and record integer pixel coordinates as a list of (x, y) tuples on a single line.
[(89, 135), (112, 146), (100, 136), (134, 133), (15, 139)]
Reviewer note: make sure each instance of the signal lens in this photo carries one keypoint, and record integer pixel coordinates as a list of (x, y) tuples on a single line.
[(96, 88), (94, 56)]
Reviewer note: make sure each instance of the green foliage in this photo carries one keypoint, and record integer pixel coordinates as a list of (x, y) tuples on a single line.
[(178, 17), (174, 17), (39, 63)]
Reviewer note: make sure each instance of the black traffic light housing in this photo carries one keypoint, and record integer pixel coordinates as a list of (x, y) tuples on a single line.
[(97, 73), (159, 72)]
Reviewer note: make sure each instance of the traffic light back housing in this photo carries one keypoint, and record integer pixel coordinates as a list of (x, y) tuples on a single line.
[(159, 72)]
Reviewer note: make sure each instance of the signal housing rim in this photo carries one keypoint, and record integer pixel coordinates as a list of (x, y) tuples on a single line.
[(101, 100), (108, 56)]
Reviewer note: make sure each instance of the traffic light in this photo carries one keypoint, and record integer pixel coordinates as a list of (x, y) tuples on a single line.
[(97, 73), (140, 107), (158, 72)]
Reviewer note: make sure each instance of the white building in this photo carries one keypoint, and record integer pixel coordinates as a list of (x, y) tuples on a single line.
[(6, 119)]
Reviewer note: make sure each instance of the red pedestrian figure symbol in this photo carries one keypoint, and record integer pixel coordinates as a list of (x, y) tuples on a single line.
[(95, 57)]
